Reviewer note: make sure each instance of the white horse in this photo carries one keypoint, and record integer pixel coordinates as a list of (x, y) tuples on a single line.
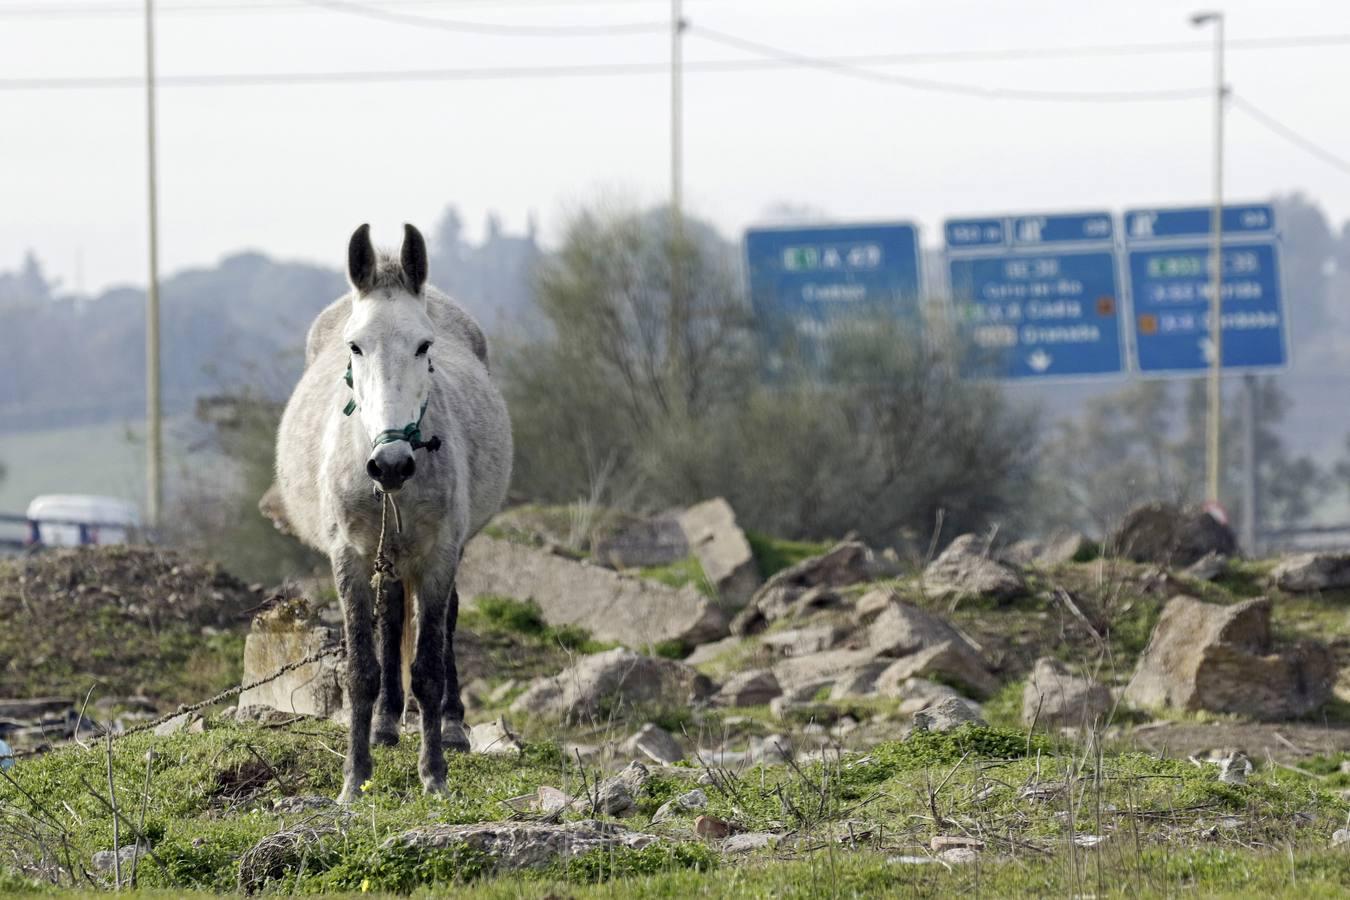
[(395, 403)]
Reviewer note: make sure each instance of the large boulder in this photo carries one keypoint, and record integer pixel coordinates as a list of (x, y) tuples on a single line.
[(964, 569), (753, 687), (952, 662), (722, 549), (612, 606), (902, 629), (1310, 572), (1055, 696), (817, 670), (285, 634), (1169, 535), (658, 541), (810, 582), (612, 683), (1202, 656)]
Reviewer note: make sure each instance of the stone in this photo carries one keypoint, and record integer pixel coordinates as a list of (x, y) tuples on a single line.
[(872, 604), (1207, 568), (722, 549), (1202, 656), (902, 629), (107, 861), (712, 827), (959, 855), (918, 693), (35, 708), (1054, 696), (276, 854), (658, 541), (1310, 572), (691, 801), (709, 652), (947, 714), (549, 800), (1168, 535), (285, 634), (616, 795), (947, 841), (965, 570), (858, 682), (1340, 837), (514, 846), (753, 687), (819, 667), (750, 840), (608, 683), (844, 564), (951, 661), (1066, 548), (775, 748), (612, 606), (804, 711), (655, 743), (494, 737), (803, 641)]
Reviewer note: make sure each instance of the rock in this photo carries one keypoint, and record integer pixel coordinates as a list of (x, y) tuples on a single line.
[(859, 682), (180, 724), (752, 687), (494, 737), (1234, 768), (1207, 568), (804, 712), (706, 653), (689, 802), (35, 708), (776, 748), (951, 661), (959, 855), (616, 795), (947, 714), (751, 840), (524, 845), (1202, 656), (549, 800), (1167, 535), (658, 541), (712, 827), (656, 744), (290, 806), (807, 584), (284, 634), (1340, 837), (947, 841), (276, 854), (1056, 551), (803, 641), (612, 606), (965, 570), (902, 629), (1054, 696), (1309, 572), (605, 683), (872, 604), (819, 667), (919, 693), (107, 861), (722, 549)]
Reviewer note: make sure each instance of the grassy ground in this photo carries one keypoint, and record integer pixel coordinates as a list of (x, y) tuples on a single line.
[(1052, 819)]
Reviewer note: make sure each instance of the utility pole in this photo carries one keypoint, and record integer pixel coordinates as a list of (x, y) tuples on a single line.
[(677, 116), (154, 447), (1215, 424)]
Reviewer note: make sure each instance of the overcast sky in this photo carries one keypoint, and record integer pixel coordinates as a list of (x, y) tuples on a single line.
[(292, 169)]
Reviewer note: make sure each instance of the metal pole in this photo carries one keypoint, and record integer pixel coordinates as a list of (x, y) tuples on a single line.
[(1250, 488), (154, 437), (676, 116), (1215, 423)]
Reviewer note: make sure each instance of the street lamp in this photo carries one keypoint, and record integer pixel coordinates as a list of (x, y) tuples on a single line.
[(1215, 422)]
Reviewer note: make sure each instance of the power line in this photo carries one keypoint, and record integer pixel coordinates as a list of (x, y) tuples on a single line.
[(926, 84), (486, 28), (58, 10), (1292, 136)]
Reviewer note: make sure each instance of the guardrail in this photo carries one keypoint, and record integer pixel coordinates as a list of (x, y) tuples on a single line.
[(88, 531)]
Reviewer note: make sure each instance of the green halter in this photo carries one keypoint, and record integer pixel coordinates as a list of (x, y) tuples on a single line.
[(412, 432)]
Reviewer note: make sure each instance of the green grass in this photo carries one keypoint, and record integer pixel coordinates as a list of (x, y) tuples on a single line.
[(680, 573), (774, 554), (523, 618)]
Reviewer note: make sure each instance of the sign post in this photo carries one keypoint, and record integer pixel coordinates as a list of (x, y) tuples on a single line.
[(1039, 294)]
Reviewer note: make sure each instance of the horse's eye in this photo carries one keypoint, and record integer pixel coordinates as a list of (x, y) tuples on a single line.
[(423, 347), (356, 351)]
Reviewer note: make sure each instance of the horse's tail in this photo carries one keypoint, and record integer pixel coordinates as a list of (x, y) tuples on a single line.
[(408, 644)]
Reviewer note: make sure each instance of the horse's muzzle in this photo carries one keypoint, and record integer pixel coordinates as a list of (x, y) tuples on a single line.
[(391, 464)]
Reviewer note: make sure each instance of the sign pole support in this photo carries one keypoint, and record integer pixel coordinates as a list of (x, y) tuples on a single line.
[(1214, 434), (1250, 489), (154, 445)]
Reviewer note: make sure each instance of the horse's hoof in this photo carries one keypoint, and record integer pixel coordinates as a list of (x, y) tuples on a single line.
[(434, 788), (454, 737), (382, 737)]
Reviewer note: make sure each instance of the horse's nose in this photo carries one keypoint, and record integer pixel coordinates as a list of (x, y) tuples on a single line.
[(391, 465)]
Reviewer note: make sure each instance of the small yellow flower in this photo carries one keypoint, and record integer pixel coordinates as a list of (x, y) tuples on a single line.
[(365, 882), (366, 786)]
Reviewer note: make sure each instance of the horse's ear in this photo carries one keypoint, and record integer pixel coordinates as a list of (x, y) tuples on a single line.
[(361, 260), (414, 259)]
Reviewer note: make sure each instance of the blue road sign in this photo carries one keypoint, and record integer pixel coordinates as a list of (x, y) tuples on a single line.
[(1039, 293), (1197, 221), (804, 278), (1171, 288), (1040, 315)]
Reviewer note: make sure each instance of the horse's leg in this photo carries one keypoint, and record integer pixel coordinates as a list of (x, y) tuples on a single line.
[(452, 710), (389, 705), (352, 575), (428, 669)]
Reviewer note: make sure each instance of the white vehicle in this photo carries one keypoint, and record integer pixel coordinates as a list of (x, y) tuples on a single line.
[(69, 520)]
